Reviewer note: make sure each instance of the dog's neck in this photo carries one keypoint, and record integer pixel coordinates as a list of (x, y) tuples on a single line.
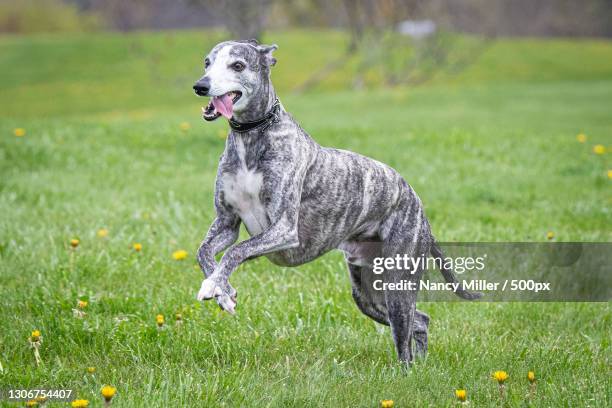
[(258, 105)]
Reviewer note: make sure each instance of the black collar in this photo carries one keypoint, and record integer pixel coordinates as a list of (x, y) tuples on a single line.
[(267, 120)]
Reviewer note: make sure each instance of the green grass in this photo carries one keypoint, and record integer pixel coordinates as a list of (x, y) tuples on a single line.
[(492, 152)]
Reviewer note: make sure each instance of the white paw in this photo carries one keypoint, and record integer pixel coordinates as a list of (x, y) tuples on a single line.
[(227, 304), (208, 290)]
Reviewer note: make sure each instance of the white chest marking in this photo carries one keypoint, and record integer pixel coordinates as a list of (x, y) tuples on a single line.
[(241, 191)]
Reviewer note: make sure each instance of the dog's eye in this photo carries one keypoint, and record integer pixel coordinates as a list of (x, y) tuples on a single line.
[(238, 66), (206, 63)]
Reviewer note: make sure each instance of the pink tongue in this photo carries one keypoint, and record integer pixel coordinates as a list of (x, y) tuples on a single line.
[(224, 105)]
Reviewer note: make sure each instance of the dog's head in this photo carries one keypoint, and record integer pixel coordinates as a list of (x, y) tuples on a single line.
[(237, 73)]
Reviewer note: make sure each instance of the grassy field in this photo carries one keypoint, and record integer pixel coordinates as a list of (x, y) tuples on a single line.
[(114, 140)]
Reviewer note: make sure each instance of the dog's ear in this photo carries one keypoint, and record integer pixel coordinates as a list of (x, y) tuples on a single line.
[(266, 52)]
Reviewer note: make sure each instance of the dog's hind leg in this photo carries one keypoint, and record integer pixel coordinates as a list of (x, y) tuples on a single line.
[(405, 232), (401, 311), (372, 303), (421, 328), (364, 295)]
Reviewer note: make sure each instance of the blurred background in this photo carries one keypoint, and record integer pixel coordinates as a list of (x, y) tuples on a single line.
[(249, 18), (367, 42)]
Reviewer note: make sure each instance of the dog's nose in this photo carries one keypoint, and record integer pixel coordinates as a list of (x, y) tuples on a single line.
[(202, 86)]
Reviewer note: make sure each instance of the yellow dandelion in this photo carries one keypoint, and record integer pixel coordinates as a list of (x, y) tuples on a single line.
[(79, 311), (80, 403), (19, 132), (532, 380), (108, 392), (500, 376), (74, 242), (41, 400), (581, 138), (160, 320), (610, 174), (531, 376), (32, 403), (137, 247), (102, 233), (599, 149), (461, 395), (91, 370), (550, 235), (35, 340), (386, 404), (185, 126), (179, 255), (35, 336)]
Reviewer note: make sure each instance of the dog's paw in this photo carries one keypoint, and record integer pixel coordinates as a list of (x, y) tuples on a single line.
[(209, 289), (226, 303), (224, 294), (233, 294)]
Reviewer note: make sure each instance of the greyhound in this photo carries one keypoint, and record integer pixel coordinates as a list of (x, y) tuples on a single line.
[(299, 200)]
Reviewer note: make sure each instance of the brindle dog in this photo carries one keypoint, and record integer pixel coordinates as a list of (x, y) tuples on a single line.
[(299, 200)]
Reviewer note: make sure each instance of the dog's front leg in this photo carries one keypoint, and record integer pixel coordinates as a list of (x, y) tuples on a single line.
[(222, 233), (283, 208), (280, 235)]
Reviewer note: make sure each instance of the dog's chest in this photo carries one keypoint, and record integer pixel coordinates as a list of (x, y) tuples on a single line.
[(242, 187)]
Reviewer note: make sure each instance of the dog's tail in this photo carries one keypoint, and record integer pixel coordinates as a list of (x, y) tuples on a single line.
[(449, 275)]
